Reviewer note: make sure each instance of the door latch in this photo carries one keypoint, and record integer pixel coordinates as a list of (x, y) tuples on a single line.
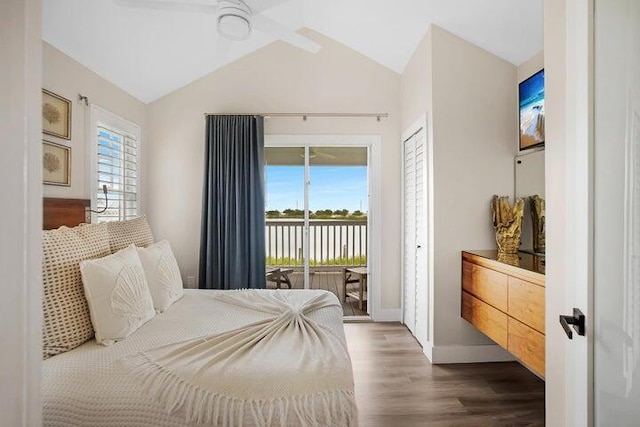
[(577, 321)]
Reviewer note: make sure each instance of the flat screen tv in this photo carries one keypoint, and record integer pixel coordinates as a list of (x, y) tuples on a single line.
[(531, 99)]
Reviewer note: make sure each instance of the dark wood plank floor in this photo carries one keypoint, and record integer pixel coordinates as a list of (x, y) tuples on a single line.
[(397, 386), (332, 282)]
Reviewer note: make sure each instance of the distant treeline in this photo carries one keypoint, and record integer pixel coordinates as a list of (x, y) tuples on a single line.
[(319, 214)]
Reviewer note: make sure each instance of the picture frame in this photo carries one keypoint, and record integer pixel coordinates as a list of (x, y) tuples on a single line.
[(531, 112), (56, 115), (56, 164)]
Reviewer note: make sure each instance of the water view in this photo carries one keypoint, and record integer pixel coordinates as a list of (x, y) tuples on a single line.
[(338, 206)]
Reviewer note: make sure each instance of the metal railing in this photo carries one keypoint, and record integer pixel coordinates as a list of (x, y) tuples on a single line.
[(332, 243)]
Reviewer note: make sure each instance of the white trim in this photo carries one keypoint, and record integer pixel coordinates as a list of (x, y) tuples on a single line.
[(356, 319), (375, 309), (569, 208), (306, 247), (21, 247), (403, 138), (427, 349), (116, 121), (445, 354), (374, 144), (100, 115)]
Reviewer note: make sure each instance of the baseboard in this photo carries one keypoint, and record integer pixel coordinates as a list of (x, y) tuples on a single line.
[(388, 315), (427, 349), (356, 319), (466, 354)]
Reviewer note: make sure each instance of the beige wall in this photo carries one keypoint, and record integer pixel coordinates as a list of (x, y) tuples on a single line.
[(277, 78), (68, 78), (475, 123), (470, 97), (531, 66), (416, 84)]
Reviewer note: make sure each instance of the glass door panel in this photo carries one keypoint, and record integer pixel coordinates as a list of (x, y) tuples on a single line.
[(317, 205), (285, 213), (338, 223)]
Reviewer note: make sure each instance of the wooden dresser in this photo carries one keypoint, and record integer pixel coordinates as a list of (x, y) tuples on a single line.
[(506, 303)]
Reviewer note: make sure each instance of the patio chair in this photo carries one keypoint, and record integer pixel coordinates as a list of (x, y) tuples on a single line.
[(279, 275), (357, 275)]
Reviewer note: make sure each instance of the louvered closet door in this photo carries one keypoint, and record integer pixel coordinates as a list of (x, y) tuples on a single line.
[(421, 263), (409, 315), (415, 236)]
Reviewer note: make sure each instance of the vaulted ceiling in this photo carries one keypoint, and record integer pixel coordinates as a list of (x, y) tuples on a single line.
[(150, 53)]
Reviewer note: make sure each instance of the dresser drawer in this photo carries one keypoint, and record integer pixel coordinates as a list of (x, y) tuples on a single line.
[(527, 345), (526, 303), (485, 284), (487, 319)]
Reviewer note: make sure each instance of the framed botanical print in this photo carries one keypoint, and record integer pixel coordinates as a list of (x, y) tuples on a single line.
[(56, 164), (56, 115)]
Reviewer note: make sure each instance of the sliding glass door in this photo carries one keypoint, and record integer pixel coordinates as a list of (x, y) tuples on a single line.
[(317, 202), (286, 217)]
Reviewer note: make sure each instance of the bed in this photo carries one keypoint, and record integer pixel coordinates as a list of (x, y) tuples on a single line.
[(224, 358)]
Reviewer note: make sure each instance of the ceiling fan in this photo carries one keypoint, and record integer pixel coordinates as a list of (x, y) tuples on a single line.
[(235, 19)]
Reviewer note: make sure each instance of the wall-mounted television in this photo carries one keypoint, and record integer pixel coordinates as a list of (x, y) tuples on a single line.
[(531, 101)]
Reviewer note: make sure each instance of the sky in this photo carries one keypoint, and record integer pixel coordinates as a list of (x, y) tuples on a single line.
[(332, 187)]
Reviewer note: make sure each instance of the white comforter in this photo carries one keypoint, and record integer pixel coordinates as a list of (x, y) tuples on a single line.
[(92, 386)]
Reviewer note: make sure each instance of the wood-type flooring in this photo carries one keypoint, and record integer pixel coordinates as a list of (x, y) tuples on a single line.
[(396, 386)]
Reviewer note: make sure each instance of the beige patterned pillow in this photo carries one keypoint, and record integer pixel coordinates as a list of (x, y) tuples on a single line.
[(124, 233), (67, 322)]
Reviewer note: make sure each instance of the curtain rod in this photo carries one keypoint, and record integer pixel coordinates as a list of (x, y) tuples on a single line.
[(304, 116)]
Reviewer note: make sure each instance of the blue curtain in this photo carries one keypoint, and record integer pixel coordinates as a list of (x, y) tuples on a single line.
[(232, 246)]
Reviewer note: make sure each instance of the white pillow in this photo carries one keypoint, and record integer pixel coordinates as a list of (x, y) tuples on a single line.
[(162, 272), (118, 295)]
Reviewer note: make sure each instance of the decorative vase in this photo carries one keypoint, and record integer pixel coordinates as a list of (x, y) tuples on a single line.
[(507, 221), (538, 223)]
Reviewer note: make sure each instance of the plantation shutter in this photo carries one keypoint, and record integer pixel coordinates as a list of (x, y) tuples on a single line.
[(118, 169)]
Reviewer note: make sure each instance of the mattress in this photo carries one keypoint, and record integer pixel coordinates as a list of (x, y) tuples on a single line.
[(90, 386)]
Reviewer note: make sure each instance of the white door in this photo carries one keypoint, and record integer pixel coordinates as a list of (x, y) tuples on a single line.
[(409, 261), (415, 289), (616, 297)]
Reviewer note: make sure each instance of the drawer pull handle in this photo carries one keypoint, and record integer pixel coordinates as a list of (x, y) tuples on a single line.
[(577, 321)]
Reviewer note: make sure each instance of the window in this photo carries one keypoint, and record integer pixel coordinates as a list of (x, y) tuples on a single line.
[(116, 163)]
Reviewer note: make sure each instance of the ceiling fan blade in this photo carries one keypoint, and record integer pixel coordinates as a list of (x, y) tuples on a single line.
[(327, 155), (287, 35), (258, 6), (179, 6), (313, 153)]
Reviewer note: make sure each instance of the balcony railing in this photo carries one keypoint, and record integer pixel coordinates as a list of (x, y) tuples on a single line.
[(332, 243)]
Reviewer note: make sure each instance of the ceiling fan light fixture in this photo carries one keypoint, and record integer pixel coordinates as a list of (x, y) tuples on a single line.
[(234, 20)]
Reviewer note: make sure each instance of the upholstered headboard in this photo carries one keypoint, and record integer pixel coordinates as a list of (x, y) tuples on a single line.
[(69, 212)]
